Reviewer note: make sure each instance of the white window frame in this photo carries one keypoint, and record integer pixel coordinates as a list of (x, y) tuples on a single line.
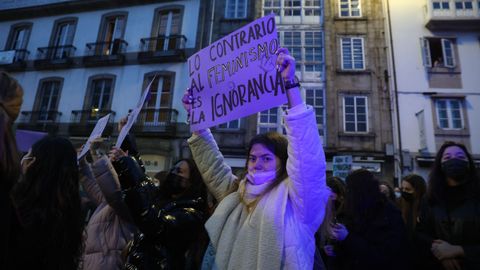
[(226, 126), (448, 52), (349, 9), (321, 106), (352, 52), (355, 98), (280, 8), (236, 10), (301, 61), (449, 111)]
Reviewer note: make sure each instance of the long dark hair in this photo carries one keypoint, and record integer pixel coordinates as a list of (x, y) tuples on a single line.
[(47, 202), (9, 156), (437, 183), (413, 208), (278, 145), (197, 188), (363, 200)]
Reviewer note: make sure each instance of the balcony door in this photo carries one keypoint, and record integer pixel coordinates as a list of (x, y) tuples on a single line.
[(112, 35), (168, 24), (63, 37), (101, 94), (157, 106), (48, 100)]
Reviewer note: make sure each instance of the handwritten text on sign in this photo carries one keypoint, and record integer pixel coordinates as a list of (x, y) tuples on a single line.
[(236, 76)]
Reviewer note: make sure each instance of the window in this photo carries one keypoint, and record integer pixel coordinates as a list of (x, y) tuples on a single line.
[(111, 35), (438, 52), (306, 47), (355, 114), (47, 99), (236, 9), (441, 5), (18, 40), (314, 97), (235, 124), (158, 105), (312, 8), (463, 5), (272, 6), (313, 51), (167, 28), (449, 113), (269, 120), (352, 53), (292, 7), (350, 8), (62, 39)]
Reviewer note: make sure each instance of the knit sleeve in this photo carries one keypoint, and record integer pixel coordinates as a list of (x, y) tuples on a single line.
[(215, 172)]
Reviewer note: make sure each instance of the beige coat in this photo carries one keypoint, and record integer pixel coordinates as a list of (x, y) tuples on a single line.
[(109, 229)]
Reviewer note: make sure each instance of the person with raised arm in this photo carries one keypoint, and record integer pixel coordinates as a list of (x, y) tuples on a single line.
[(268, 219)]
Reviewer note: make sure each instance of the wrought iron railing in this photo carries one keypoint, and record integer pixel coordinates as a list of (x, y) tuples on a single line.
[(163, 43), (56, 52), (115, 47)]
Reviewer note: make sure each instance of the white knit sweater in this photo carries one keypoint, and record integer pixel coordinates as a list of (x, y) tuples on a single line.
[(279, 233)]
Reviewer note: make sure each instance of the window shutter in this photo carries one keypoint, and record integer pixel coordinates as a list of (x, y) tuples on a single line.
[(448, 55), (427, 59)]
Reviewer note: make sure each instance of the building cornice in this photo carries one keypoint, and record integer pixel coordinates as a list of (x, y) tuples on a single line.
[(69, 7)]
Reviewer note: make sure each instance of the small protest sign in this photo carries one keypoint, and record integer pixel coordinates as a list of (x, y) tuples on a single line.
[(26, 138), (96, 133), (342, 166), (132, 116), (236, 76)]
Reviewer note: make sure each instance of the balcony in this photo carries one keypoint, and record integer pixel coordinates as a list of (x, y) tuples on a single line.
[(452, 15), (156, 122), (46, 121), (14, 60), (162, 49), (110, 53), (82, 122), (55, 57)]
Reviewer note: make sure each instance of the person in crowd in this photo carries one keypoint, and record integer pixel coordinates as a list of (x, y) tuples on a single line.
[(268, 219), (448, 229), (372, 234), (413, 187), (170, 216), (324, 253), (48, 228), (110, 227), (387, 190), (11, 98)]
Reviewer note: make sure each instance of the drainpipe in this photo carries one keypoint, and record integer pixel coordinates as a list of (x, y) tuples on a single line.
[(212, 20), (395, 90)]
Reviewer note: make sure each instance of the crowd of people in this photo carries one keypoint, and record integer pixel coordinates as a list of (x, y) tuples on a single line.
[(282, 213)]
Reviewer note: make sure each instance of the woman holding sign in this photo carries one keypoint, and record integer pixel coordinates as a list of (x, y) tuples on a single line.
[(268, 219)]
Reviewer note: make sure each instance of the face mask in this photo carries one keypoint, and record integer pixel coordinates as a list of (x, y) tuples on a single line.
[(259, 178), (398, 194), (174, 183), (456, 169), (407, 196)]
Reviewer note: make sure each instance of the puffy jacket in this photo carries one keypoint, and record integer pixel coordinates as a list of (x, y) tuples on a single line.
[(169, 228), (110, 228)]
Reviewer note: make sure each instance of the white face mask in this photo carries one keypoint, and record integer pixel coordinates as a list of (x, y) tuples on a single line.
[(258, 178)]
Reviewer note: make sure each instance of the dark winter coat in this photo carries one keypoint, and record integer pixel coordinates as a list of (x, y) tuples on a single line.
[(169, 227), (382, 244), (456, 221)]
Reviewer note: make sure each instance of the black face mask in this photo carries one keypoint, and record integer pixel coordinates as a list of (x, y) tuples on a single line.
[(173, 183), (456, 169), (407, 196)]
